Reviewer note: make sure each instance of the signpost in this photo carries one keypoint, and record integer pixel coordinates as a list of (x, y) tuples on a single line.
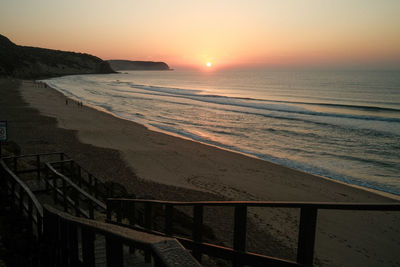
[(3, 133)]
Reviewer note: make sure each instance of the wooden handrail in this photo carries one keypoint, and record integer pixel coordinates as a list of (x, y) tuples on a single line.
[(33, 203), (166, 251), (35, 155), (238, 254), (77, 188), (58, 232), (32, 196), (92, 182), (395, 206)]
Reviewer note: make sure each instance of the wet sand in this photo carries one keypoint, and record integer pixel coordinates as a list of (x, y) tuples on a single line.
[(167, 167)]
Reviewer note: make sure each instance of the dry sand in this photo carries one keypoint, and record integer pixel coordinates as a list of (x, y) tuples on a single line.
[(343, 238)]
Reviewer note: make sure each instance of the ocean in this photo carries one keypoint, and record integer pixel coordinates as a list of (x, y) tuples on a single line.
[(343, 125)]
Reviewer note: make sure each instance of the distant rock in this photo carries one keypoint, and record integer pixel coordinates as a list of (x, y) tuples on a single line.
[(137, 65), (32, 62)]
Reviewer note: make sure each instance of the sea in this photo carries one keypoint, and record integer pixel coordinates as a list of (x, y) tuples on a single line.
[(344, 125)]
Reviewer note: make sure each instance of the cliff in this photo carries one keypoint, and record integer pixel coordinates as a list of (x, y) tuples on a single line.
[(32, 62), (137, 65)]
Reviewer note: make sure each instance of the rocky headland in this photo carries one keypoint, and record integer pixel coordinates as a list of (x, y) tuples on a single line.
[(137, 65), (26, 62)]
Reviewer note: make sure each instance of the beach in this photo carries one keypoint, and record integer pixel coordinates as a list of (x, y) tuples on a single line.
[(161, 166)]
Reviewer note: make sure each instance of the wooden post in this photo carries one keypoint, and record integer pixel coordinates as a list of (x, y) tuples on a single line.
[(62, 162), (55, 190), (306, 240), (76, 205), (12, 193), (65, 199), (21, 200), (109, 210), (63, 243), (148, 210), (119, 211), (197, 229), (239, 234), (88, 256), (90, 183), (79, 174), (15, 165), (46, 178), (72, 170), (96, 192), (148, 214), (30, 215), (73, 249), (131, 213), (38, 167), (91, 209), (169, 213), (39, 226), (50, 237), (114, 253)]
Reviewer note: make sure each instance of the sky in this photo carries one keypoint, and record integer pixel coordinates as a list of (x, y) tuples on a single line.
[(227, 33)]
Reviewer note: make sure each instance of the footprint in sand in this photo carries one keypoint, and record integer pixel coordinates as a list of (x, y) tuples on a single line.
[(216, 187)]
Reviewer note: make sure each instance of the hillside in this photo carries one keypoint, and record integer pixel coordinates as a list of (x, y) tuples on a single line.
[(137, 65), (32, 62)]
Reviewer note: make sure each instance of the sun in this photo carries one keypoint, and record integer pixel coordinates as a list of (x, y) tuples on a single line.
[(208, 64)]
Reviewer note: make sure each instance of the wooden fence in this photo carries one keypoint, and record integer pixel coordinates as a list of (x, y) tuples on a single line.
[(82, 177), (119, 209)]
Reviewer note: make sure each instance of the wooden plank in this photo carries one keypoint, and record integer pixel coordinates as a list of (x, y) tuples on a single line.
[(197, 232)]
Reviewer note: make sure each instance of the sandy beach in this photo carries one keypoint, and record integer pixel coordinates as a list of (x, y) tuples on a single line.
[(154, 164)]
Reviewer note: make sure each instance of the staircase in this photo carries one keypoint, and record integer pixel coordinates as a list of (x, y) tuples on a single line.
[(66, 217)]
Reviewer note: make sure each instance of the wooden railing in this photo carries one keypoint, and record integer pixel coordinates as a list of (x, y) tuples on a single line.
[(82, 177), (122, 213), (64, 237), (62, 232), (120, 209), (70, 195), (23, 199), (36, 162)]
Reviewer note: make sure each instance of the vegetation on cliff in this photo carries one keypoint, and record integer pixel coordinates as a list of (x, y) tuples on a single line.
[(137, 65), (32, 62)]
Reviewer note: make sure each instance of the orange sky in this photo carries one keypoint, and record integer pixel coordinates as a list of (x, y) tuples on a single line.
[(226, 33)]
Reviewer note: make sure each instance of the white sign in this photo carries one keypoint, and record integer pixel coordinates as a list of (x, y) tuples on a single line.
[(3, 131)]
